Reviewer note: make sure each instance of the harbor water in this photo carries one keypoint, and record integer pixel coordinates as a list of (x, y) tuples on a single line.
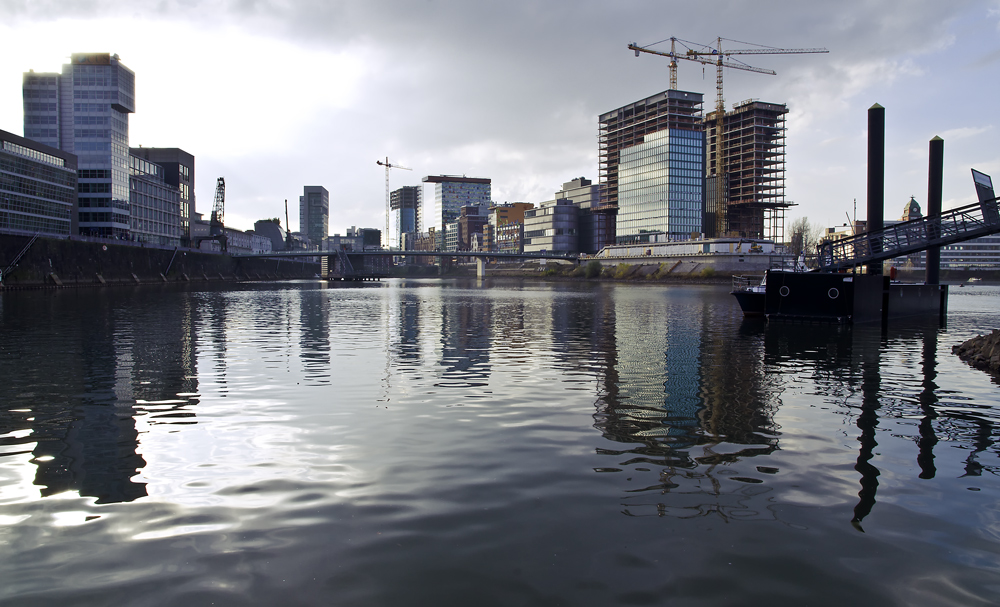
[(463, 442)]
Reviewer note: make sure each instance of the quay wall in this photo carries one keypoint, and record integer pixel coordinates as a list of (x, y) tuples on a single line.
[(55, 262)]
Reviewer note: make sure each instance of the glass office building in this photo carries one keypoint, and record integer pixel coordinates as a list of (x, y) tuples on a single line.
[(451, 193), (661, 185), (84, 111), (314, 214), (652, 163), (37, 187), (155, 205)]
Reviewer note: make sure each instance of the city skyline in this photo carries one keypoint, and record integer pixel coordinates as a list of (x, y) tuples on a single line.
[(513, 93)]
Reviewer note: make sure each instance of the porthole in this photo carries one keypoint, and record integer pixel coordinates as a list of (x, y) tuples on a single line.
[(784, 291), (833, 293)]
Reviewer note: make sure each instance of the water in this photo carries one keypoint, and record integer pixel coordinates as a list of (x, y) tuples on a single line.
[(454, 443)]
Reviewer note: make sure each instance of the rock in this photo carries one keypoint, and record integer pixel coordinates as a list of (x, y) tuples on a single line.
[(981, 352)]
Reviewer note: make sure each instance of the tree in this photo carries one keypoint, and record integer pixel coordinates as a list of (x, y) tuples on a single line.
[(804, 237)]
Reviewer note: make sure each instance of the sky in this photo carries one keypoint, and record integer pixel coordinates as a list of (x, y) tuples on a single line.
[(277, 95)]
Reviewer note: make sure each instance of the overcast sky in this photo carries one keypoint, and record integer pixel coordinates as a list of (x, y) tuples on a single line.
[(278, 95)]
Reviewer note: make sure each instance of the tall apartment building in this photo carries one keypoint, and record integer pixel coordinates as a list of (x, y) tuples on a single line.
[(178, 172), (314, 214), (37, 187), (405, 208), (748, 200), (652, 167), (84, 111), (451, 193)]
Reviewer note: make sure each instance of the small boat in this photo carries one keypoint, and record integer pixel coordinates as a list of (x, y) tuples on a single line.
[(749, 292)]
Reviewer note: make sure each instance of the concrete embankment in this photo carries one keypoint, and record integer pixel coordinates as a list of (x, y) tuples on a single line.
[(981, 352), (51, 262)]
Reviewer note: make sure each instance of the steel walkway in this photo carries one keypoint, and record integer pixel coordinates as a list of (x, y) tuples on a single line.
[(957, 225)]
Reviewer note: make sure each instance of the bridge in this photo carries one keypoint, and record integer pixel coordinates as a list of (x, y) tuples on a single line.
[(373, 264), (957, 225)]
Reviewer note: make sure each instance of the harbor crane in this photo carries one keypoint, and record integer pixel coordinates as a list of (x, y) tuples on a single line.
[(706, 55), (216, 227), (388, 166)]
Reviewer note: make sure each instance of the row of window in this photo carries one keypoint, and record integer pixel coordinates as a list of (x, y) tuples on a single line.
[(103, 218), (90, 120), (91, 80), (94, 188), (96, 95), (36, 133), (40, 120), (34, 223), (26, 168), (91, 134), (98, 108), (33, 206), (105, 203), (40, 80), (39, 106)]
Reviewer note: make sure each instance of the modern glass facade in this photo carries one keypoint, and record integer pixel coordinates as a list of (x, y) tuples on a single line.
[(405, 219), (453, 193), (85, 111), (314, 214), (37, 187), (661, 186), (155, 205)]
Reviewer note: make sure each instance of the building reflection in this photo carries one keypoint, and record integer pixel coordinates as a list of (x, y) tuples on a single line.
[(122, 360), (674, 387)]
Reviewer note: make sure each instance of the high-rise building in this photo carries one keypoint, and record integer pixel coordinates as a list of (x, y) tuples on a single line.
[(314, 214), (652, 167), (451, 193), (37, 187), (84, 111), (751, 200), (405, 207), (178, 171)]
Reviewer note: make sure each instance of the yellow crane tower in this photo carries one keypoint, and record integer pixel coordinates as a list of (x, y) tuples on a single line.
[(720, 58), (388, 166)]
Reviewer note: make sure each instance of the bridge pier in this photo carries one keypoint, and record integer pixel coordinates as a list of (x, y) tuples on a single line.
[(480, 267)]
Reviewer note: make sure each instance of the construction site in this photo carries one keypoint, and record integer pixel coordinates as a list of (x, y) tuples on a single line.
[(753, 164), (744, 165)]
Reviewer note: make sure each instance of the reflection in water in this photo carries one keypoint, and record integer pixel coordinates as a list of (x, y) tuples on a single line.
[(78, 397)]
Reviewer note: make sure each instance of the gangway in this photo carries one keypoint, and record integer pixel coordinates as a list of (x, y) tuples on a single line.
[(957, 225)]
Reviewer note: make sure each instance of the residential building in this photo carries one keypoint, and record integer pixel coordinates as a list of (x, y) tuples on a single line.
[(314, 214), (405, 206), (751, 202), (505, 230), (470, 222), (652, 168), (37, 187), (84, 111), (178, 171), (451, 193), (552, 227)]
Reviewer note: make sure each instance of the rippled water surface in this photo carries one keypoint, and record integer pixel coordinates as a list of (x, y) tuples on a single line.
[(500, 443)]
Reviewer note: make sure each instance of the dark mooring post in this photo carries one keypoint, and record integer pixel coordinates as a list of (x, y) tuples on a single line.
[(935, 179), (876, 178)]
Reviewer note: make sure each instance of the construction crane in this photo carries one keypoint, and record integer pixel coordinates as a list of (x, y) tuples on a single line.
[(388, 166), (707, 55), (217, 224)]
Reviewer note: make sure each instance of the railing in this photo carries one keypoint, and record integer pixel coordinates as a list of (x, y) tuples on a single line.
[(957, 225)]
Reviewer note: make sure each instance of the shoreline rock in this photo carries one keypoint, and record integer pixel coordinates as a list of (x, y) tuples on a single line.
[(981, 352)]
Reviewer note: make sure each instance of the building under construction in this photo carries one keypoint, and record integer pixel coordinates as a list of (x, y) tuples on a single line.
[(752, 201), (647, 197)]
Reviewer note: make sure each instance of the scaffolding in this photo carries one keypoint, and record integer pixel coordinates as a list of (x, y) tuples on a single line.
[(752, 203)]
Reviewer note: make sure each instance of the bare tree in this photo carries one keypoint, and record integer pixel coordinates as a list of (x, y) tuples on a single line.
[(804, 237)]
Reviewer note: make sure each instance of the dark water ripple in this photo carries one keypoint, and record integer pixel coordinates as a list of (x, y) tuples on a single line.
[(427, 442)]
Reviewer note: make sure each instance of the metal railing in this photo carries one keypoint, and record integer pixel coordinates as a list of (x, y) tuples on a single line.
[(957, 225)]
